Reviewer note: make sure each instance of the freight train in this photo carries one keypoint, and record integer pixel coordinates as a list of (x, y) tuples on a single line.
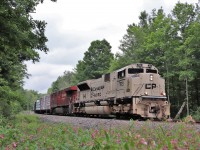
[(136, 90)]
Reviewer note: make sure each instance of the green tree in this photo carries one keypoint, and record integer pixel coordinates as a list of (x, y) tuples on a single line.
[(62, 82), (131, 44), (96, 61), (21, 39), (187, 18), (79, 72)]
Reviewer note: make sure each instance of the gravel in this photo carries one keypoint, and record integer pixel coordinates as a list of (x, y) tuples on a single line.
[(98, 123), (85, 122)]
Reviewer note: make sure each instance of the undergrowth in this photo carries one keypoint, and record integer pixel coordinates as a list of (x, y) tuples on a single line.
[(27, 132)]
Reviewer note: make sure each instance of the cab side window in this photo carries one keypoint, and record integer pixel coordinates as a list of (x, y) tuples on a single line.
[(107, 77), (121, 74)]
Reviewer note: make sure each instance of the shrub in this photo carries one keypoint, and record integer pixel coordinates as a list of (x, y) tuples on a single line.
[(196, 114), (30, 133), (24, 118), (3, 120)]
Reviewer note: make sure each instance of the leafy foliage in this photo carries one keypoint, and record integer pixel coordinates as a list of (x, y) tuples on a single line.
[(96, 61), (21, 39), (62, 82), (14, 101), (196, 114)]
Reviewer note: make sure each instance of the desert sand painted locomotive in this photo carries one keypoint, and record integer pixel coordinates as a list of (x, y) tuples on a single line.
[(135, 90)]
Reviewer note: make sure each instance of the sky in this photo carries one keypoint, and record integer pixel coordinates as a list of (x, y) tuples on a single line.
[(73, 24)]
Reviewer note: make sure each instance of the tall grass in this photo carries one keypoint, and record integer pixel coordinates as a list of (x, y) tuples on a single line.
[(27, 132)]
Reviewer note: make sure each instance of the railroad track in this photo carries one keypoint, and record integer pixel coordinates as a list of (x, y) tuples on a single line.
[(107, 123)]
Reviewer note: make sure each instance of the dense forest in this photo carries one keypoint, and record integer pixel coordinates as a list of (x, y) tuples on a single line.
[(168, 41)]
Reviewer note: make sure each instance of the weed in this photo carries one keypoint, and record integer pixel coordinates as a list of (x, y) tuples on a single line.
[(27, 132)]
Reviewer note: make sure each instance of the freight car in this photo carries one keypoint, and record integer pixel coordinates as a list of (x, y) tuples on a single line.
[(42, 105), (136, 90)]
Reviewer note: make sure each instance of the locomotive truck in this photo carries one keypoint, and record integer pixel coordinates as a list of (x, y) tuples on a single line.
[(136, 90)]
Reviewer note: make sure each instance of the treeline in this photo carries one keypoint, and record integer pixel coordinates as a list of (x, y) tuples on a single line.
[(168, 41)]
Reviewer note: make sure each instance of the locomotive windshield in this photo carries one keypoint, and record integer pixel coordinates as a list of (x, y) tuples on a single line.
[(151, 71), (135, 70)]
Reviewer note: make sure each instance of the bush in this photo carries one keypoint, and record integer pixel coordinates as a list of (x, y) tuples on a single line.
[(196, 114), (3, 120), (5, 109), (24, 118)]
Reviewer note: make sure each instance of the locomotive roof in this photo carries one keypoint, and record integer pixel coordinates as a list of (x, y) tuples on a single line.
[(136, 65), (71, 88)]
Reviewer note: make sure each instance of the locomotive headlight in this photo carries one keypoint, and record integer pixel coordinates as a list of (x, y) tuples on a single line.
[(151, 77), (145, 93)]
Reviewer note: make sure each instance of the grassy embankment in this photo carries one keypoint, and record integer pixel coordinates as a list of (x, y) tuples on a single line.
[(27, 132)]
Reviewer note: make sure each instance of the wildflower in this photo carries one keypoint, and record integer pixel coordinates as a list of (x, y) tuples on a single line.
[(189, 136), (31, 137), (14, 145), (7, 148), (75, 130), (174, 142), (165, 148), (138, 136), (93, 135), (2, 136), (143, 141), (185, 144), (118, 141), (96, 131)]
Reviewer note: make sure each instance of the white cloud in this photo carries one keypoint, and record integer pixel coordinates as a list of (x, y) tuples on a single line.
[(74, 24), (43, 74)]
